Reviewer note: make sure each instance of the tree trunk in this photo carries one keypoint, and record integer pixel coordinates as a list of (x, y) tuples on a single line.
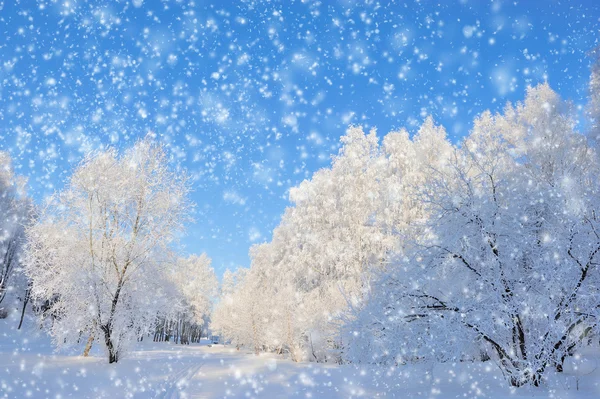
[(88, 345), (113, 355), (255, 337), (312, 349), (25, 301)]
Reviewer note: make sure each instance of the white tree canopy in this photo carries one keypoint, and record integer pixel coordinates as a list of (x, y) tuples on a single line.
[(507, 256), (98, 252), (15, 211)]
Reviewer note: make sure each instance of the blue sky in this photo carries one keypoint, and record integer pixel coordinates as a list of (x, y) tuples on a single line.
[(252, 96)]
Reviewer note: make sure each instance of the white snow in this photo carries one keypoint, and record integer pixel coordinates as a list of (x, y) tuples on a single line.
[(29, 368)]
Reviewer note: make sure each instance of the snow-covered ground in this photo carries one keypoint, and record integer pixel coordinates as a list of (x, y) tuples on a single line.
[(29, 368)]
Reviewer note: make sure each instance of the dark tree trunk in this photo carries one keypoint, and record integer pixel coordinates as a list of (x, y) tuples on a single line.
[(113, 355), (25, 301)]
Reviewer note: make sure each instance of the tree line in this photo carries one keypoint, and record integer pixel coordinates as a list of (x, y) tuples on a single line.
[(421, 249), (97, 258), (406, 249)]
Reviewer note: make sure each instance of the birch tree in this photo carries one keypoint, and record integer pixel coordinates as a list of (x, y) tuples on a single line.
[(15, 211), (100, 247), (194, 288)]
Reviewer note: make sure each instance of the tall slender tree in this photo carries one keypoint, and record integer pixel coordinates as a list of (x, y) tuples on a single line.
[(15, 211)]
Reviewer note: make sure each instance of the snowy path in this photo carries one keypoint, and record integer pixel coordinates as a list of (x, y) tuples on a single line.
[(169, 371), (178, 382)]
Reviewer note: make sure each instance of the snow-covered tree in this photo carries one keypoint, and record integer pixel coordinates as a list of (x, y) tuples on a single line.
[(198, 285), (99, 249), (194, 289), (231, 319), (15, 211), (318, 259), (507, 257), (594, 96)]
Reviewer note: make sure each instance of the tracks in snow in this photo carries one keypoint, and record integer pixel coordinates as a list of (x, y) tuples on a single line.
[(172, 388)]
